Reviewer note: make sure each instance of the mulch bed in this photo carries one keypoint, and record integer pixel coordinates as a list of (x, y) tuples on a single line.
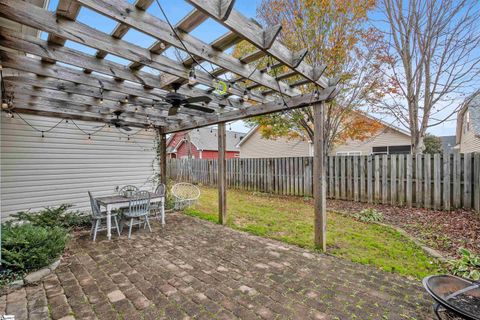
[(446, 231)]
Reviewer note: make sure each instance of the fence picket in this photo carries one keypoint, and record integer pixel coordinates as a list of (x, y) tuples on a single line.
[(439, 181)]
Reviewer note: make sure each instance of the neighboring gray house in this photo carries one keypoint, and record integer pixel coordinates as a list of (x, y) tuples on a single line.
[(468, 127), (448, 144)]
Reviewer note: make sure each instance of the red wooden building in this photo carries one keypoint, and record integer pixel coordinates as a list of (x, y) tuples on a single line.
[(203, 144)]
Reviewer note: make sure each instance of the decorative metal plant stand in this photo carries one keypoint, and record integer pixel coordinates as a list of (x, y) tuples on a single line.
[(455, 297)]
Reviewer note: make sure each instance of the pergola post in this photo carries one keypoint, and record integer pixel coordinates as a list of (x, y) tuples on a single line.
[(319, 182), (222, 175), (162, 156)]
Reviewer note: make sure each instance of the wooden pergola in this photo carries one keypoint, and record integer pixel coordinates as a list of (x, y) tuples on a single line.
[(52, 79)]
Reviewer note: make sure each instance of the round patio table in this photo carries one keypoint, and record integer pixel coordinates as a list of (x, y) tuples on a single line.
[(455, 297)]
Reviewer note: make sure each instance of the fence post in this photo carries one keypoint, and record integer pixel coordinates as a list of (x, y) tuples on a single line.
[(476, 179)]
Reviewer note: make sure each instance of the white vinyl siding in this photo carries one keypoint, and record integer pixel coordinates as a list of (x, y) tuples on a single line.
[(257, 147), (61, 168), (387, 137)]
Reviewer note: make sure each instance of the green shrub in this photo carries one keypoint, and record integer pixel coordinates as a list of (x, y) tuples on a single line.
[(27, 247), (468, 266), (55, 217), (369, 215)]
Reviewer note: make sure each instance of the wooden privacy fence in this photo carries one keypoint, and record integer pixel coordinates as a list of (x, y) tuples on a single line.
[(430, 181)]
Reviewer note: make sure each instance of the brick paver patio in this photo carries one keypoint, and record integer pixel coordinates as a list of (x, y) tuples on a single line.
[(197, 269)]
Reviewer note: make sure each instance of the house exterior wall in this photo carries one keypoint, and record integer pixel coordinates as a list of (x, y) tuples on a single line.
[(469, 142), (213, 154), (387, 137), (64, 165), (182, 151), (258, 147)]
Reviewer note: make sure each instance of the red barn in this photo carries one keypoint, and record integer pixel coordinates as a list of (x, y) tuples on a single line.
[(203, 144)]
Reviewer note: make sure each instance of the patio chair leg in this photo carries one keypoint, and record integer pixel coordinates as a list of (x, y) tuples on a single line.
[(116, 225), (97, 222), (130, 228), (92, 228), (148, 223)]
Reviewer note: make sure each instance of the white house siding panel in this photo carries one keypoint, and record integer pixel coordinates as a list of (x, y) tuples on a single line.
[(469, 142), (387, 137), (258, 147), (61, 168)]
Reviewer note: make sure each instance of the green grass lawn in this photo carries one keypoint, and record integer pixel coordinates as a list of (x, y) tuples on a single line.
[(290, 219)]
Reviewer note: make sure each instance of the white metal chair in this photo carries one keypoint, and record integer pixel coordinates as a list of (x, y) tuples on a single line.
[(159, 207), (128, 191), (138, 209), (185, 194), (98, 217)]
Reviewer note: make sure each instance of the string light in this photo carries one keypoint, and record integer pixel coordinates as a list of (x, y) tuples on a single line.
[(269, 67), (230, 127), (128, 137), (101, 100), (4, 105), (89, 137), (317, 94), (126, 99), (246, 96), (43, 134), (10, 115), (192, 77)]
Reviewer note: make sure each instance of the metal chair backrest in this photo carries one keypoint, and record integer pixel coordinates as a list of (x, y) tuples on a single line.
[(96, 212), (139, 204), (160, 189), (128, 191)]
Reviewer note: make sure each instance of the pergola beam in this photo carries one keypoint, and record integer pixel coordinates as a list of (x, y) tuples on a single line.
[(187, 24), (222, 174), (52, 107), (262, 109), (107, 105), (41, 19), (153, 26), (80, 89), (38, 47), (255, 35)]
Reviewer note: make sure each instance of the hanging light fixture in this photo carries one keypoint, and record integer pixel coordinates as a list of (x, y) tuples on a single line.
[(192, 77)]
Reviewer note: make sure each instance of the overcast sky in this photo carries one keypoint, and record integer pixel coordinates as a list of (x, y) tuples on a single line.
[(207, 31)]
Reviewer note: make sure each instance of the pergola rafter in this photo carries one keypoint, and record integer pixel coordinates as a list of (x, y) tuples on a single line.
[(55, 80)]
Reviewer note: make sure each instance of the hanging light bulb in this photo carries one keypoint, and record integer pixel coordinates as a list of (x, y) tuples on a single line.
[(211, 130), (136, 109), (101, 100), (269, 67), (230, 127), (43, 134), (162, 46), (192, 77), (128, 137), (10, 115), (89, 137), (246, 96), (317, 94), (126, 99)]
